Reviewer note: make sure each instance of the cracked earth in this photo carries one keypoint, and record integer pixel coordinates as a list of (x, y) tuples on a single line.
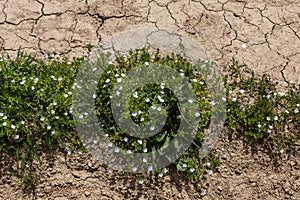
[(264, 34)]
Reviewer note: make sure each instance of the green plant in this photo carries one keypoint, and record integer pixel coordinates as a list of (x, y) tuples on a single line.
[(259, 111), (36, 114), (144, 99), (35, 99)]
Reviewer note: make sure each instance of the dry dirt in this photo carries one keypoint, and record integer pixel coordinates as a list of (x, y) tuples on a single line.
[(270, 29)]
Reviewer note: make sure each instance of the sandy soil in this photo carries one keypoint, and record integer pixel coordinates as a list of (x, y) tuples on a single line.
[(268, 29)]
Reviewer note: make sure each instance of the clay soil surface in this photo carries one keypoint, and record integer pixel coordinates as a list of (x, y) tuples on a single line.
[(265, 34)]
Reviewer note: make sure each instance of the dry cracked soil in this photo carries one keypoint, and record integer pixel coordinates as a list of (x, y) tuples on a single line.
[(264, 34)]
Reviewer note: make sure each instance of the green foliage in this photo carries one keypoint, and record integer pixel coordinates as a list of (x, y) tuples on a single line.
[(260, 111), (157, 97), (36, 114), (35, 99)]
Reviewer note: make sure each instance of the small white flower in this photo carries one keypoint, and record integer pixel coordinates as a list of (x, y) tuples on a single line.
[(135, 95), (69, 93), (269, 130), (145, 160), (59, 78), (128, 152), (52, 112), (244, 46), (48, 127), (242, 91), (192, 169), (125, 139), (110, 144), (36, 80), (22, 82), (210, 172), (152, 128), (181, 74), (190, 101), (160, 99), (165, 170), (69, 152), (94, 96), (5, 117), (119, 80), (159, 108), (95, 142), (194, 80), (4, 123), (146, 63), (13, 126), (107, 80), (141, 181), (17, 137), (117, 75), (142, 119), (42, 119), (52, 132), (95, 69), (203, 192), (224, 99), (117, 150), (118, 93), (150, 168), (54, 103), (160, 175), (1, 114), (208, 164), (296, 110), (66, 95), (197, 114), (65, 113), (212, 103), (147, 100), (281, 151), (140, 142), (69, 63), (268, 118), (123, 75), (22, 122), (110, 63), (268, 96), (80, 116), (184, 165), (145, 150), (134, 114), (134, 169), (281, 94), (230, 91), (13, 81), (270, 127), (119, 87), (298, 105), (52, 77), (56, 117), (259, 125), (234, 99)]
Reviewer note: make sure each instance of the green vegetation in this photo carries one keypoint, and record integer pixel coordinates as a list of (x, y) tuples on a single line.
[(36, 114)]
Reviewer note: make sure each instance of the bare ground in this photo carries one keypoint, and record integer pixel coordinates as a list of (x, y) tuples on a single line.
[(271, 31)]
